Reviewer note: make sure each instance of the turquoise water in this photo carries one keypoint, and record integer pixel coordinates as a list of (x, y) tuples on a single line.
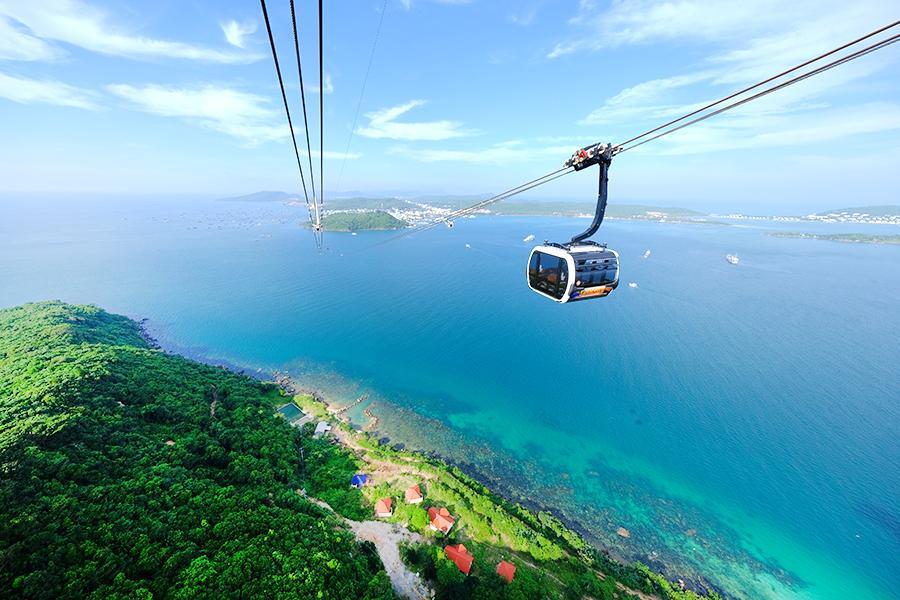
[(741, 422)]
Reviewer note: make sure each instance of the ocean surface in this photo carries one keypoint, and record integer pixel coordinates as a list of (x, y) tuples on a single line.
[(742, 422)]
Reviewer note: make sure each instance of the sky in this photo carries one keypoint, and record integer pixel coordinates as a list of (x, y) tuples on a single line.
[(463, 97)]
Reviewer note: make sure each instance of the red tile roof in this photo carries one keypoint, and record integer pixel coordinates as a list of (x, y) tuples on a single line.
[(461, 556), (440, 518), (413, 493), (506, 570), (383, 506)]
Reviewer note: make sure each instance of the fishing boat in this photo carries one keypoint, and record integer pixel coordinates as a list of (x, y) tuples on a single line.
[(732, 258)]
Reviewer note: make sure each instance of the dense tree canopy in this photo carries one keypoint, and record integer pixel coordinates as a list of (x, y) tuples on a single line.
[(361, 221), (128, 472)]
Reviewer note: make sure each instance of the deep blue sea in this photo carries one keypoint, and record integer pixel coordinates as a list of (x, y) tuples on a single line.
[(742, 422)]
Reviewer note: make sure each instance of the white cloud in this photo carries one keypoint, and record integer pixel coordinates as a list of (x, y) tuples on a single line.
[(793, 26), (33, 91), (329, 87), (653, 102), (504, 152), (383, 124), (774, 130), (525, 13), (18, 44), (236, 33), (744, 43), (407, 4), (232, 112), (239, 114), (648, 99), (79, 24), (334, 155)]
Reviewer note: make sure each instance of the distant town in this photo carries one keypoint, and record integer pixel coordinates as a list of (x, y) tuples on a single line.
[(882, 216), (415, 211)]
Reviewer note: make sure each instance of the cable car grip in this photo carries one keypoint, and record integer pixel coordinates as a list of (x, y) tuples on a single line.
[(597, 154)]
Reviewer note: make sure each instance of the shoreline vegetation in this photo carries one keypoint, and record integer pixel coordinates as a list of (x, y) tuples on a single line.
[(847, 238), (133, 472), (546, 551), (420, 209), (369, 220)]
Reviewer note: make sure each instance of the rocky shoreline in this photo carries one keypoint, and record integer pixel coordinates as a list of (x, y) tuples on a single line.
[(290, 387)]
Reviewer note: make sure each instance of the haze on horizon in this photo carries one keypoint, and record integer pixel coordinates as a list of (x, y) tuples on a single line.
[(464, 97)]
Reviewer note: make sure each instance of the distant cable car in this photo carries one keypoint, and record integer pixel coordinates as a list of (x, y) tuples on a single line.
[(579, 269)]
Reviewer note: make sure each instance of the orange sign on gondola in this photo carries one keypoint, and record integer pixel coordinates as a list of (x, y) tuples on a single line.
[(602, 290)]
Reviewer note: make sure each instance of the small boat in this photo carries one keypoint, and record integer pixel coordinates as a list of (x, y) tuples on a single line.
[(732, 258), (529, 238), (647, 253), (468, 246), (353, 233), (632, 284)]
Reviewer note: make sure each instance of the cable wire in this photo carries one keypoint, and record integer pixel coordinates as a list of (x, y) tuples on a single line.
[(362, 93), (622, 147), (312, 181), (457, 214), (287, 110), (321, 125), (762, 83), (767, 91), (461, 213)]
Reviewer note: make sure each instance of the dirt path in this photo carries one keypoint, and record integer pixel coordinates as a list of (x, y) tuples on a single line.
[(387, 538)]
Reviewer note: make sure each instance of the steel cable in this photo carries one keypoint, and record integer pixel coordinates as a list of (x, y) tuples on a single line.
[(287, 110), (312, 182)]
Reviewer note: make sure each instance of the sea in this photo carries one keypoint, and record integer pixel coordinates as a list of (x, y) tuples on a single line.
[(742, 422)]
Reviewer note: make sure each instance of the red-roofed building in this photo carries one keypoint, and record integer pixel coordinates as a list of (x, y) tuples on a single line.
[(441, 519), (461, 556), (414, 495), (506, 570), (383, 508)]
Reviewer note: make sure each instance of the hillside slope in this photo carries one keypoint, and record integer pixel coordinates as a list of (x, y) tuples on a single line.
[(361, 221), (127, 472)]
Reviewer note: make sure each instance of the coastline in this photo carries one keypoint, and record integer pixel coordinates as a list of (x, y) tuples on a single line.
[(556, 543), (608, 561)]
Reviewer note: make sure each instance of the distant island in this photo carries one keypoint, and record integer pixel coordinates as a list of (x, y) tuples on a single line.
[(884, 210), (264, 196), (863, 215), (362, 220), (417, 210), (852, 238), (131, 472), (575, 209)]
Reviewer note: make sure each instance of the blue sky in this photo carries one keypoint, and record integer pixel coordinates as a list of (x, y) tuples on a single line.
[(464, 97)]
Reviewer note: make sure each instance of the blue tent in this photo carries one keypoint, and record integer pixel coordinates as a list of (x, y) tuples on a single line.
[(359, 480)]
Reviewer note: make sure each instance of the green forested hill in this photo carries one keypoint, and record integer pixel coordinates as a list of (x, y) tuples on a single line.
[(361, 221), (127, 472)]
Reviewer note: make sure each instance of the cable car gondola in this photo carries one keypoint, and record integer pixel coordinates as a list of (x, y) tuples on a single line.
[(580, 269)]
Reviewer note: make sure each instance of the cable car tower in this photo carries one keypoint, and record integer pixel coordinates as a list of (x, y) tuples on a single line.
[(580, 269)]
